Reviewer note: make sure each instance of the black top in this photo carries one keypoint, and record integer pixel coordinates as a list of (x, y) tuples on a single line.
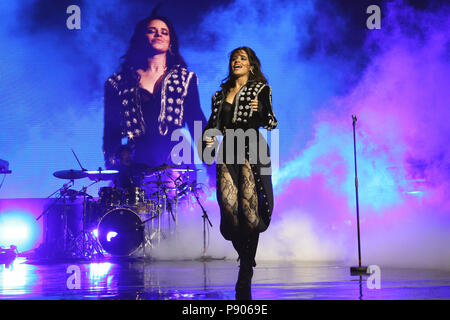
[(152, 148), (150, 108), (227, 115)]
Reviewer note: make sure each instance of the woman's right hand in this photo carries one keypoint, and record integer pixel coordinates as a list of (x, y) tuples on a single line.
[(210, 141)]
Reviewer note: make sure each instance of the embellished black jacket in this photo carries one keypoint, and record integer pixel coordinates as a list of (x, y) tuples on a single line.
[(124, 116), (243, 115)]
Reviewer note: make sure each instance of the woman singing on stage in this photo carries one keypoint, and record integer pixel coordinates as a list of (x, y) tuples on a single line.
[(244, 186)]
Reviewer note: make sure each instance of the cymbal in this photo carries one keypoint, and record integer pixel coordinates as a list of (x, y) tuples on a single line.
[(102, 174), (70, 174), (186, 169)]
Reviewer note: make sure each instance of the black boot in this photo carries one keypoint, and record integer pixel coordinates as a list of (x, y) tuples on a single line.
[(247, 251), (237, 244), (253, 246), (244, 283)]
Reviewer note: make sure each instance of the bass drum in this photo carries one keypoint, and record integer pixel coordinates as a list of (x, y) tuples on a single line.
[(120, 232)]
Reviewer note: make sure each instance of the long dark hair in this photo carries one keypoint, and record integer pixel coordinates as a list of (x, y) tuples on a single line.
[(138, 51), (257, 75)]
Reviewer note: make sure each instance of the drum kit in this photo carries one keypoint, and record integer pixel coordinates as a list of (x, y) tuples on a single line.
[(121, 221)]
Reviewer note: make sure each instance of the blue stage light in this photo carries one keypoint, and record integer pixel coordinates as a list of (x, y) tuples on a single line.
[(18, 228)]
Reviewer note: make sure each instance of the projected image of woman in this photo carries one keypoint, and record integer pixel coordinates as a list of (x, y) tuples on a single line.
[(244, 187), (153, 94)]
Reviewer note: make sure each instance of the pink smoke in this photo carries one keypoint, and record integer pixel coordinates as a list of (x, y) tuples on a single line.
[(402, 105)]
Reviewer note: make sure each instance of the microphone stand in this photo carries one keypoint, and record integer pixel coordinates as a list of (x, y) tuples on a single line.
[(359, 270), (63, 188), (205, 217)]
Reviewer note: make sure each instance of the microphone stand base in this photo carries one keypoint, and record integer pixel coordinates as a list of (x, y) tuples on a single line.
[(358, 271), (207, 258)]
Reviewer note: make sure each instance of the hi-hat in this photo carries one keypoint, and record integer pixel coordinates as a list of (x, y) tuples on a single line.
[(70, 174)]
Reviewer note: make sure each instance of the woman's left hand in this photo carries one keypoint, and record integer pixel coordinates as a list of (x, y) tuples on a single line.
[(254, 105)]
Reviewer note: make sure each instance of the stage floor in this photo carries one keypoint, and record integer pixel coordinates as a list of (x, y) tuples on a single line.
[(212, 280)]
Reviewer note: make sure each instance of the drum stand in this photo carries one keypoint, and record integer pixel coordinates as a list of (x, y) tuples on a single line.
[(47, 247), (152, 235), (178, 182), (147, 242), (160, 210), (89, 245)]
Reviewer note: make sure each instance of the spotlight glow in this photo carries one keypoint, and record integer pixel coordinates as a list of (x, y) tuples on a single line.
[(15, 279), (98, 271), (18, 228)]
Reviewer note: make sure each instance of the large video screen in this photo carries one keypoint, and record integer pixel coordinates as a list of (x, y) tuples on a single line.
[(325, 62)]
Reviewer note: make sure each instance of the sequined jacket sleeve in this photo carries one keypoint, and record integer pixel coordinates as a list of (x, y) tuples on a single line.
[(212, 123), (216, 104), (265, 110), (112, 133), (193, 110)]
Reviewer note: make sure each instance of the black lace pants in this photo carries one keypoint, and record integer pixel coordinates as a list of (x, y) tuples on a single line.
[(238, 200)]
